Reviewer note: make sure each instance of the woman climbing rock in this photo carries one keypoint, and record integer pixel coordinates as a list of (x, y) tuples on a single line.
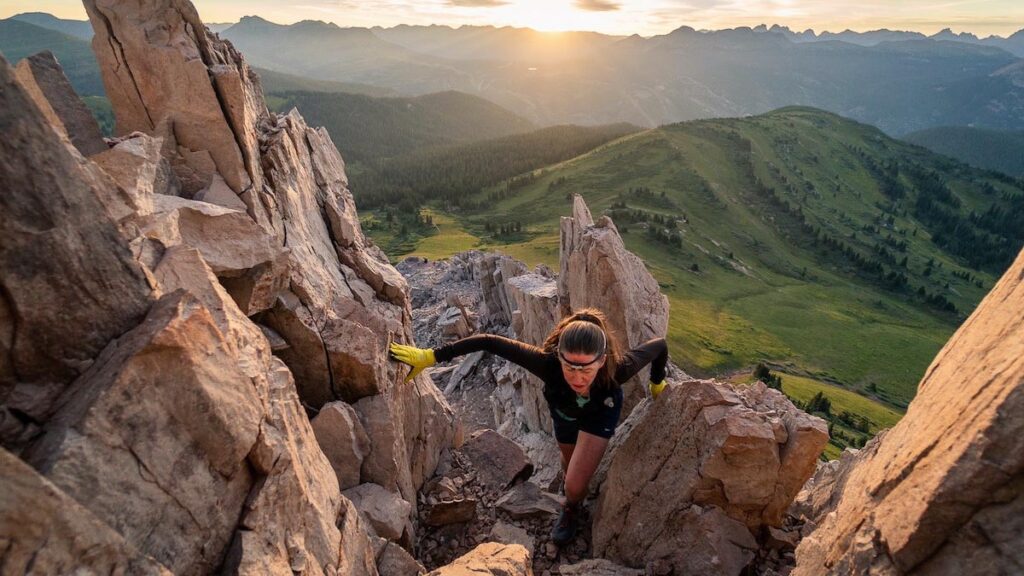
[(582, 367)]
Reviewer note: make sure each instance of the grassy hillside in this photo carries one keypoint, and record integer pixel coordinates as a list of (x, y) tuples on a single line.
[(795, 237), (20, 39), (454, 173), (1001, 150), (366, 128)]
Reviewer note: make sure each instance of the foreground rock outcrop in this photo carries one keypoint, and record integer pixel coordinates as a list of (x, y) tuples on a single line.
[(705, 468), (174, 311), (942, 492)]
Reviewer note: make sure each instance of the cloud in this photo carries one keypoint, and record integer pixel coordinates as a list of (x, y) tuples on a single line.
[(477, 3), (597, 5)]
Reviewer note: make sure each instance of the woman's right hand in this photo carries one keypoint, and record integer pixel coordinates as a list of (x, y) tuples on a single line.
[(418, 358)]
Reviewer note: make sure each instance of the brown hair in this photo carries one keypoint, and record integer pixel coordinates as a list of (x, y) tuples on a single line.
[(581, 333)]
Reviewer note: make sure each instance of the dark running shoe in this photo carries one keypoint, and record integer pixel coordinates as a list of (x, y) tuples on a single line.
[(565, 528)]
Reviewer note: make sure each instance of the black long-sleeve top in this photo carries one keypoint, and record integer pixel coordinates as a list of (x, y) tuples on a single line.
[(546, 366)]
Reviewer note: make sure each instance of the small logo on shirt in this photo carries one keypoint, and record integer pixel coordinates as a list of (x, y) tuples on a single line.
[(609, 402)]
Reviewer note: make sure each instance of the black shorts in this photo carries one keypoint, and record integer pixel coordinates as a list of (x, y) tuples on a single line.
[(597, 422)]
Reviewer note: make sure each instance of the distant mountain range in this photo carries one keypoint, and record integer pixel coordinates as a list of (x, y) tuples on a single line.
[(1013, 44), (898, 81), (900, 86)]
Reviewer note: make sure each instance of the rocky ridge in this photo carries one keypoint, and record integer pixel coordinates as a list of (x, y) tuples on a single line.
[(211, 394), (178, 307)]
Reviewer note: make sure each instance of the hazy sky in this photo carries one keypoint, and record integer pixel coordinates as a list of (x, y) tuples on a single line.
[(645, 17)]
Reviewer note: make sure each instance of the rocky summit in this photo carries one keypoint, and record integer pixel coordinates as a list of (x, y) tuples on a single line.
[(194, 377)]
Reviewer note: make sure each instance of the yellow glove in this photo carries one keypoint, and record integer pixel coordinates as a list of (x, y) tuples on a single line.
[(656, 388), (418, 358)]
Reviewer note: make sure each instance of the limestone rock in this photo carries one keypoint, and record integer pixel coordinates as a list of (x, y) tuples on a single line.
[(454, 324), (715, 451), (497, 460), (159, 63), (387, 512), (395, 561), (526, 499), (383, 465), (57, 244), (598, 271), (597, 567), (46, 532), (343, 440), (506, 533), (358, 554), (492, 271), (490, 559), (124, 447), (136, 165), (296, 518), (454, 511), (941, 493), (44, 81)]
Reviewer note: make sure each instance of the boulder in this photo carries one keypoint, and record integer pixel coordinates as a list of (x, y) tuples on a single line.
[(597, 567), (136, 165), (498, 461), (343, 440), (46, 532), (455, 511), (154, 437), (387, 512), (715, 451), (943, 491), (490, 559), (58, 244), (44, 81), (597, 271), (453, 324), (526, 500), (395, 561), (505, 533)]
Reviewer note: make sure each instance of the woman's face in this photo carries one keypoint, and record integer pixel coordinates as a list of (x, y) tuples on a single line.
[(580, 378)]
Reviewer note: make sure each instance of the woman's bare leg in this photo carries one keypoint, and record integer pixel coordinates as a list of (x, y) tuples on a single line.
[(583, 462)]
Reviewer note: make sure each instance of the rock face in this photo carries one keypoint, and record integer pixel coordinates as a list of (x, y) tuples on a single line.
[(490, 559), (943, 491), (304, 269), (598, 271), (705, 467), (46, 532), (134, 377), (57, 244)]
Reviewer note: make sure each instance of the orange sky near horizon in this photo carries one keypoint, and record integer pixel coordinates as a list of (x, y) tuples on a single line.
[(622, 17)]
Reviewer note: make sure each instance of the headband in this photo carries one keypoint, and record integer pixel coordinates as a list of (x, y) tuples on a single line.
[(604, 345)]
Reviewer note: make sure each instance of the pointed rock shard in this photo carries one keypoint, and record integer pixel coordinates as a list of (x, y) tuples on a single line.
[(941, 492), (44, 80), (387, 512), (343, 441), (597, 270), (57, 244), (157, 61)]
